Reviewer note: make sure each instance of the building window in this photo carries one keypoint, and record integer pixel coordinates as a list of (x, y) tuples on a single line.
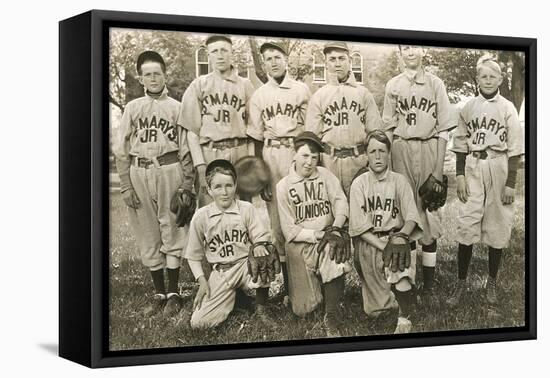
[(201, 62), (357, 66), (319, 69)]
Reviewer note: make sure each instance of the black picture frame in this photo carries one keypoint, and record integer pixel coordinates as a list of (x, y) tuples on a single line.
[(84, 187)]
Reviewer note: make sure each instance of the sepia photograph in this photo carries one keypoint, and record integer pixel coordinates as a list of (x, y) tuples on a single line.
[(269, 189)]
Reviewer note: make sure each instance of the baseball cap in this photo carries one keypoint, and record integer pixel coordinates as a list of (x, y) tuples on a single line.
[(335, 45), (310, 137), (221, 163), (149, 56), (272, 45), (217, 37)]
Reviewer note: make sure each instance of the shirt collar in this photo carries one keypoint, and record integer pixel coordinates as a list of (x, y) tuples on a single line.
[(163, 94), (233, 76), (284, 84), (214, 210), (419, 77), (494, 99), (383, 177), (333, 79), (296, 178)]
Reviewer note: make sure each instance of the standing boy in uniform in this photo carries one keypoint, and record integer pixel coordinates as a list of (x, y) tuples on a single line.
[(488, 144), (310, 199), (214, 109), (277, 114), (153, 162), (417, 117), (342, 113), (382, 206), (223, 232)]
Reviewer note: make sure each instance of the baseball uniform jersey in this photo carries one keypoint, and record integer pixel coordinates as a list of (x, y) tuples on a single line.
[(491, 127), (380, 205), (307, 205), (342, 114), (149, 130), (277, 114), (417, 110), (224, 238)]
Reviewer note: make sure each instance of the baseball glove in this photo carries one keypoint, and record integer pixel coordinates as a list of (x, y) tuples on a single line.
[(397, 254), (339, 244), (252, 176), (183, 204), (264, 267), (433, 193)]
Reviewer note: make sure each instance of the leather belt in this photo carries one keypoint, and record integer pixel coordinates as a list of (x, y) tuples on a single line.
[(165, 159), (226, 143), (397, 137), (345, 152), (278, 142), (224, 267), (480, 154)]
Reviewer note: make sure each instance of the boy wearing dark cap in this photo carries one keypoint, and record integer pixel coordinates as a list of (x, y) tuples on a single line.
[(310, 199), (153, 162)]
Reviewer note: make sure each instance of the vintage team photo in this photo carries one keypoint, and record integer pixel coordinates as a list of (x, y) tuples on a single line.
[(267, 189)]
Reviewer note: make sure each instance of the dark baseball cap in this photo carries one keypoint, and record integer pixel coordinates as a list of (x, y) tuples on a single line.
[(149, 56), (272, 45), (217, 37), (310, 137), (335, 45), (221, 163)]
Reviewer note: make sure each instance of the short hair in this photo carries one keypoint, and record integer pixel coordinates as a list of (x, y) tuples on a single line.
[(150, 56), (314, 147), (223, 171), (380, 136), (488, 61)]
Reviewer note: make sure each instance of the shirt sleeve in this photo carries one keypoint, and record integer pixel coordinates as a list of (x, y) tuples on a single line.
[(196, 242), (288, 222), (446, 117), (306, 97), (190, 116), (373, 120), (514, 134), (256, 127), (336, 195), (257, 232), (460, 135), (389, 114), (314, 116), (409, 211), (121, 142), (359, 221)]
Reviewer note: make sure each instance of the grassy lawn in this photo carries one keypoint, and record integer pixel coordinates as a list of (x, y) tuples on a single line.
[(131, 284)]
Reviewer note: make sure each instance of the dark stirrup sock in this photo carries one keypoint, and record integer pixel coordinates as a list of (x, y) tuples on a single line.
[(464, 257)]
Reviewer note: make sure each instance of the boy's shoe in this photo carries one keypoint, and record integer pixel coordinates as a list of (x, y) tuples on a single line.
[(404, 325), (492, 291), (157, 303), (332, 325), (458, 293), (173, 305)]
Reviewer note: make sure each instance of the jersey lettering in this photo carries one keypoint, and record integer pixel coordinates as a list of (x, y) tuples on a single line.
[(151, 127), (337, 113)]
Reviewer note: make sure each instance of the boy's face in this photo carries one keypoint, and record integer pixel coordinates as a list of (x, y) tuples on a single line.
[(275, 63), (338, 63), (152, 77), (306, 161), (220, 54), (222, 189), (378, 156), (412, 56), (488, 80)]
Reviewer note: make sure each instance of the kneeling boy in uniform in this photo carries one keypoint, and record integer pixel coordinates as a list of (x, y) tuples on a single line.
[(224, 231), (382, 208)]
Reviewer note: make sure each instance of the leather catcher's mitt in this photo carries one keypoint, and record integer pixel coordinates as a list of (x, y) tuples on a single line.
[(252, 175), (433, 193), (183, 204), (264, 267), (339, 245), (397, 256)]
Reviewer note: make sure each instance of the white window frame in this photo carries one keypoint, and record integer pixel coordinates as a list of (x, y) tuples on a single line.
[(198, 64), (319, 65), (355, 70)]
